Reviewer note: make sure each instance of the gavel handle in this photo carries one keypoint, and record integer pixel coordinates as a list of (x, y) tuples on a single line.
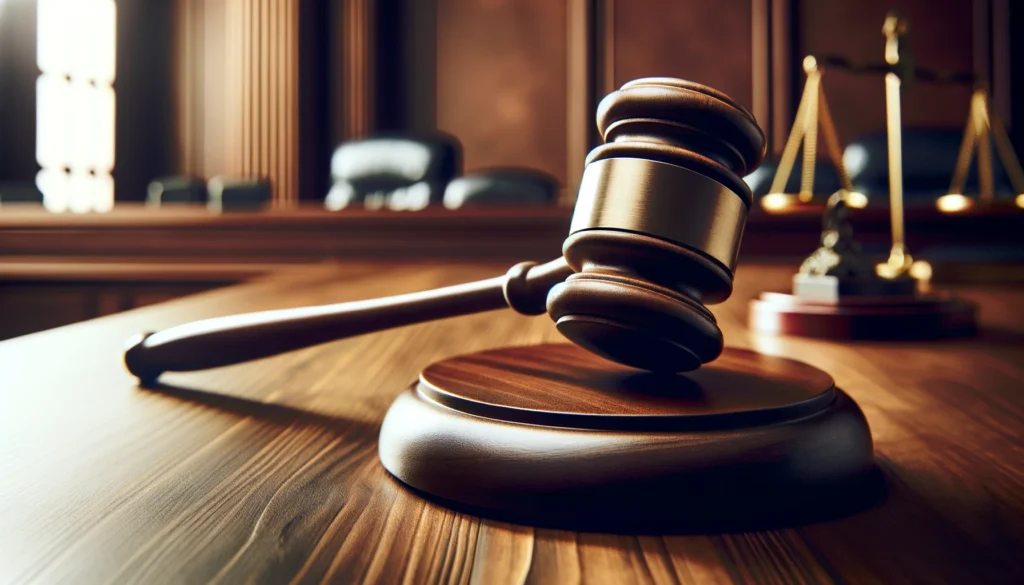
[(230, 340)]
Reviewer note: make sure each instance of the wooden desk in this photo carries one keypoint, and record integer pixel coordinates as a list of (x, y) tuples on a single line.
[(268, 471)]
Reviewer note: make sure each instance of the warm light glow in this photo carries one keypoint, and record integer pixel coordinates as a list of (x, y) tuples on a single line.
[(954, 203), (1020, 200), (53, 183), (76, 54), (777, 201), (856, 199), (53, 105), (898, 263), (921, 270)]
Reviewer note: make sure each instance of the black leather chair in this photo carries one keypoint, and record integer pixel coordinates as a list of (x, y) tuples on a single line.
[(238, 194), (826, 180), (511, 186), (396, 172), (172, 190), (929, 159), (20, 192)]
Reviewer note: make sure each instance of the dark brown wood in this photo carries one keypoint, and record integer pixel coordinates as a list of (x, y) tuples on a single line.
[(230, 340), (915, 317), (269, 471), (312, 234), (940, 39), (566, 386), (502, 76), (642, 278), (707, 41), (307, 234), (559, 437)]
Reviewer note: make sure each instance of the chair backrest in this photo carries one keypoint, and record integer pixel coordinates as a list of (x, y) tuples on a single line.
[(172, 190), (510, 186), (238, 194), (929, 159), (826, 179), (20, 192), (399, 172)]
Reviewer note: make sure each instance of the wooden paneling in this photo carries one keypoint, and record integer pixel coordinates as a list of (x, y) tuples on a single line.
[(268, 471), (707, 41), (201, 94), (263, 54), (29, 304), (941, 37), (512, 234), (358, 63), (501, 81), (237, 96)]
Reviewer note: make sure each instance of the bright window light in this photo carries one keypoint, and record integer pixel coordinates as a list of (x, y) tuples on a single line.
[(76, 53)]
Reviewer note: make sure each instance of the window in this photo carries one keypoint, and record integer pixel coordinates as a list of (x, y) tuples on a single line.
[(75, 104)]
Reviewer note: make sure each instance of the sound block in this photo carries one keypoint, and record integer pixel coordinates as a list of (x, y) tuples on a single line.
[(553, 435), (887, 317)]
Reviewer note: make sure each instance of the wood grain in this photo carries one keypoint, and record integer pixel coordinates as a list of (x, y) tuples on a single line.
[(268, 471), (597, 447), (309, 233), (236, 97), (561, 379)]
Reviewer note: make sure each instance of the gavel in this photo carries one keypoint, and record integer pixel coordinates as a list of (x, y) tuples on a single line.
[(654, 238)]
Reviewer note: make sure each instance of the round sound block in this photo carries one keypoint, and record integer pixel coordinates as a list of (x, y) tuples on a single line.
[(553, 435), (868, 318)]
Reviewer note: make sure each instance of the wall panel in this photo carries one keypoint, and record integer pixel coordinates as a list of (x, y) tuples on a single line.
[(707, 41), (940, 36), (237, 91), (502, 81)]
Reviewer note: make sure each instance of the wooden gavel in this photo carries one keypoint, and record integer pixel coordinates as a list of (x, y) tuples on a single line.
[(654, 237)]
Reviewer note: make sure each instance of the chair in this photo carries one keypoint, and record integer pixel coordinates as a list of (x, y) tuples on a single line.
[(20, 192), (929, 158), (511, 186), (237, 194), (397, 172), (175, 190), (826, 180)]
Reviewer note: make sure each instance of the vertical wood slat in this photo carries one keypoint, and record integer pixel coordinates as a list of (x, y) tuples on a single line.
[(245, 67), (357, 68), (264, 84), (782, 105), (608, 56), (760, 43), (278, 106), (261, 104), (578, 95), (1001, 60)]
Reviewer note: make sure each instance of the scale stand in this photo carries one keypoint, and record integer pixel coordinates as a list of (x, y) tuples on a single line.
[(836, 293)]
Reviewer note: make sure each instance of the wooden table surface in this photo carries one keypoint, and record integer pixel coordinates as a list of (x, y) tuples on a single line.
[(268, 471)]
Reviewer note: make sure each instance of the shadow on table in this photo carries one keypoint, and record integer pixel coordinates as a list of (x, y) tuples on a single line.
[(718, 513), (280, 414), (699, 512)]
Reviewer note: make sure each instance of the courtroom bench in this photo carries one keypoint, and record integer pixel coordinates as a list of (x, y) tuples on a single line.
[(57, 269)]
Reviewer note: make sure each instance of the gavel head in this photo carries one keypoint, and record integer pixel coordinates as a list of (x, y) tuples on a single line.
[(657, 225)]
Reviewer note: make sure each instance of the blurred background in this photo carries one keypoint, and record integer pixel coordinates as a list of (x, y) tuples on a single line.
[(152, 148)]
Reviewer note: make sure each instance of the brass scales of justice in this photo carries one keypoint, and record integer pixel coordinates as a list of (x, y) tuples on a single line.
[(837, 293)]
